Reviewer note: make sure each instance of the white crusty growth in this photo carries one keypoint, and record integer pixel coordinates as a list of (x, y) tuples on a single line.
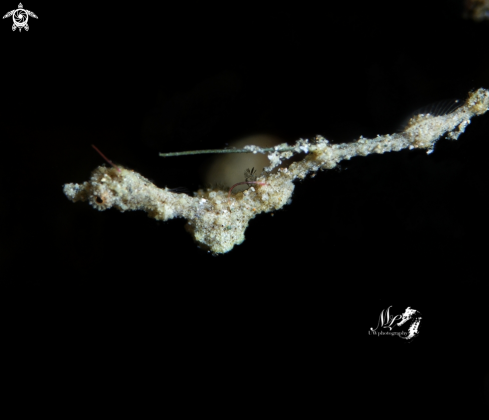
[(218, 223)]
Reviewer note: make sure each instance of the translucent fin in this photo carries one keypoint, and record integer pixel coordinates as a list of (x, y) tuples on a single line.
[(440, 108), (436, 109)]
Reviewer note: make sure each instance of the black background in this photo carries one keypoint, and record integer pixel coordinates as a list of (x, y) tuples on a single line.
[(284, 317)]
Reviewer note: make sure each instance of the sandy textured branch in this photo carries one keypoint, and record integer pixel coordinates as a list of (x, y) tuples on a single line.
[(218, 223)]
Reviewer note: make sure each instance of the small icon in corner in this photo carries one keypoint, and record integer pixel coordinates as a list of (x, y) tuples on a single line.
[(20, 17)]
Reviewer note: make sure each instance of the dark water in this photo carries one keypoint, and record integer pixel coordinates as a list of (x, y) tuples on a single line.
[(291, 307)]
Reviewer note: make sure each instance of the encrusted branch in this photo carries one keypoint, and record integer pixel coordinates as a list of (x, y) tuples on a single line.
[(218, 222)]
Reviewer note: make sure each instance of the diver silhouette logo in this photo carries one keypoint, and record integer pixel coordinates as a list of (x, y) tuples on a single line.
[(20, 17), (388, 322)]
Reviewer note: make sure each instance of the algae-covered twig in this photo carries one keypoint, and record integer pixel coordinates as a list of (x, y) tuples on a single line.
[(218, 222)]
